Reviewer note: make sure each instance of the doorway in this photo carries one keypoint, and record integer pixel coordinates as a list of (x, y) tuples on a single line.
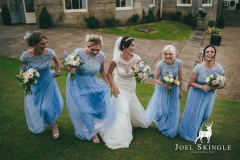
[(29, 11)]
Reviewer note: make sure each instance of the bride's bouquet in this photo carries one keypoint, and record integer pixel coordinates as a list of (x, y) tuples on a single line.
[(215, 79), (142, 71), (27, 77), (170, 79), (72, 60)]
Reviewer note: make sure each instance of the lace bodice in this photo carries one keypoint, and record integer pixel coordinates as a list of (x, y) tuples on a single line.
[(124, 69), (202, 72), (91, 65), (165, 69), (40, 62)]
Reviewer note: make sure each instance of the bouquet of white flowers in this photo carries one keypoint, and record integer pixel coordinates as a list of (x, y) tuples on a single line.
[(27, 77), (170, 79), (215, 79), (72, 60), (142, 71)]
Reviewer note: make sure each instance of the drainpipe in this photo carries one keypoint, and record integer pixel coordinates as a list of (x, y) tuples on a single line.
[(161, 9)]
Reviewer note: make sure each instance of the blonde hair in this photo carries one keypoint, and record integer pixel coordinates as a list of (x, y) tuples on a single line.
[(172, 50), (92, 40)]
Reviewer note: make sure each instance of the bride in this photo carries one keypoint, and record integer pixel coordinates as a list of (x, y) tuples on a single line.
[(129, 110)]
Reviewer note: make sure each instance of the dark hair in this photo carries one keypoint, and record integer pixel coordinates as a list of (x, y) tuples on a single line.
[(35, 38), (207, 48), (125, 42)]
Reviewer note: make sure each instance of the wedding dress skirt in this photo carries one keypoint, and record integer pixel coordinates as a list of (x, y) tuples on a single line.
[(130, 113)]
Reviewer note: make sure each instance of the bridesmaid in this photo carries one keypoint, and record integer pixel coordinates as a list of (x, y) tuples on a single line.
[(164, 109), (200, 100), (88, 97), (46, 104)]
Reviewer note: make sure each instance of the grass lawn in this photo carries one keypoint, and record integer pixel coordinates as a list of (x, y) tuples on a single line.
[(165, 30), (17, 142)]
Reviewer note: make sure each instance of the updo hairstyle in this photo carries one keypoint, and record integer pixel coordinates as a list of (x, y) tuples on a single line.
[(204, 50), (93, 40), (125, 42), (35, 38), (171, 48)]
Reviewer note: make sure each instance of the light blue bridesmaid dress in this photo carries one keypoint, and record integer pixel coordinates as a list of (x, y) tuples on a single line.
[(199, 105), (88, 98), (46, 104), (164, 109)]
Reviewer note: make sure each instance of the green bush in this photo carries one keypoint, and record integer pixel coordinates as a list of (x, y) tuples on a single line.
[(112, 22), (133, 19), (147, 18), (211, 23), (221, 21), (44, 19), (176, 16), (6, 18), (215, 31), (92, 22), (189, 19), (44, 15)]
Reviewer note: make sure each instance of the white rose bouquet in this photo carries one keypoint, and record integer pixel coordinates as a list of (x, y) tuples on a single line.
[(142, 71), (27, 77), (72, 60), (170, 79), (216, 79)]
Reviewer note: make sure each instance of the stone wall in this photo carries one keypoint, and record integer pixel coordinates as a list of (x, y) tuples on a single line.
[(170, 7), (101, 9)]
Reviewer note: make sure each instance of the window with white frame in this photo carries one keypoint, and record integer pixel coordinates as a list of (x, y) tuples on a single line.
[(152, 3), (207, 2), (75, 5), (123, 4), (184, 2)]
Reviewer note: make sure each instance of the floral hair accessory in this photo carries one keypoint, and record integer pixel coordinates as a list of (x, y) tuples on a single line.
[(87, 37), (128, 39), (27, 36)]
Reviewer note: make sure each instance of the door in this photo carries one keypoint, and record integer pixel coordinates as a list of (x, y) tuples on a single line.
[(14, 11), (29, 10)]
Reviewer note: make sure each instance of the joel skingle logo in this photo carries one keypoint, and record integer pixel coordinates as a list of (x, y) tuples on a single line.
[(207, 133), (204, 148)]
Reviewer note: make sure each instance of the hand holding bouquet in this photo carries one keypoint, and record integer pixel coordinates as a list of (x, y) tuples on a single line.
[(170, 79), (215, 80), (27, 77), (142, 71), (72, 60)]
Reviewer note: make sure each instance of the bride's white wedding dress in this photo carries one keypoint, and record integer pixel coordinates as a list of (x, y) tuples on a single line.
[(130, 112)]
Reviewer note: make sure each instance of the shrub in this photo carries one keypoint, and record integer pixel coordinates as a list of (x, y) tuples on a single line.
[(176, 16), (44, 19), (6, 15), (215, 31), (44, 15), (189, 19), (221, 21), (112, 22), (147, 18), (92, 22), (133, 19), (211, 23)]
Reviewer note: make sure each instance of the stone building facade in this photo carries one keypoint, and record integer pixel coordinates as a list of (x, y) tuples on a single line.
[(71, 13)]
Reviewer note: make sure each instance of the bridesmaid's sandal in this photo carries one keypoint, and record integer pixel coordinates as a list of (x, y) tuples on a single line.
[(95, 139), (55, 135)]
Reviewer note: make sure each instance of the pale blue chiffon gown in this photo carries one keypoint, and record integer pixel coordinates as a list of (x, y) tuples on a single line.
[(164, 109), (46, 104), (199, 105), (88, 98)]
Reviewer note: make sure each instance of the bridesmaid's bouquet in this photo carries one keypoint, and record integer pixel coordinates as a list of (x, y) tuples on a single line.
[(170, 79), (142, 71), (72, 60), (27, 77), (215, 79)]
